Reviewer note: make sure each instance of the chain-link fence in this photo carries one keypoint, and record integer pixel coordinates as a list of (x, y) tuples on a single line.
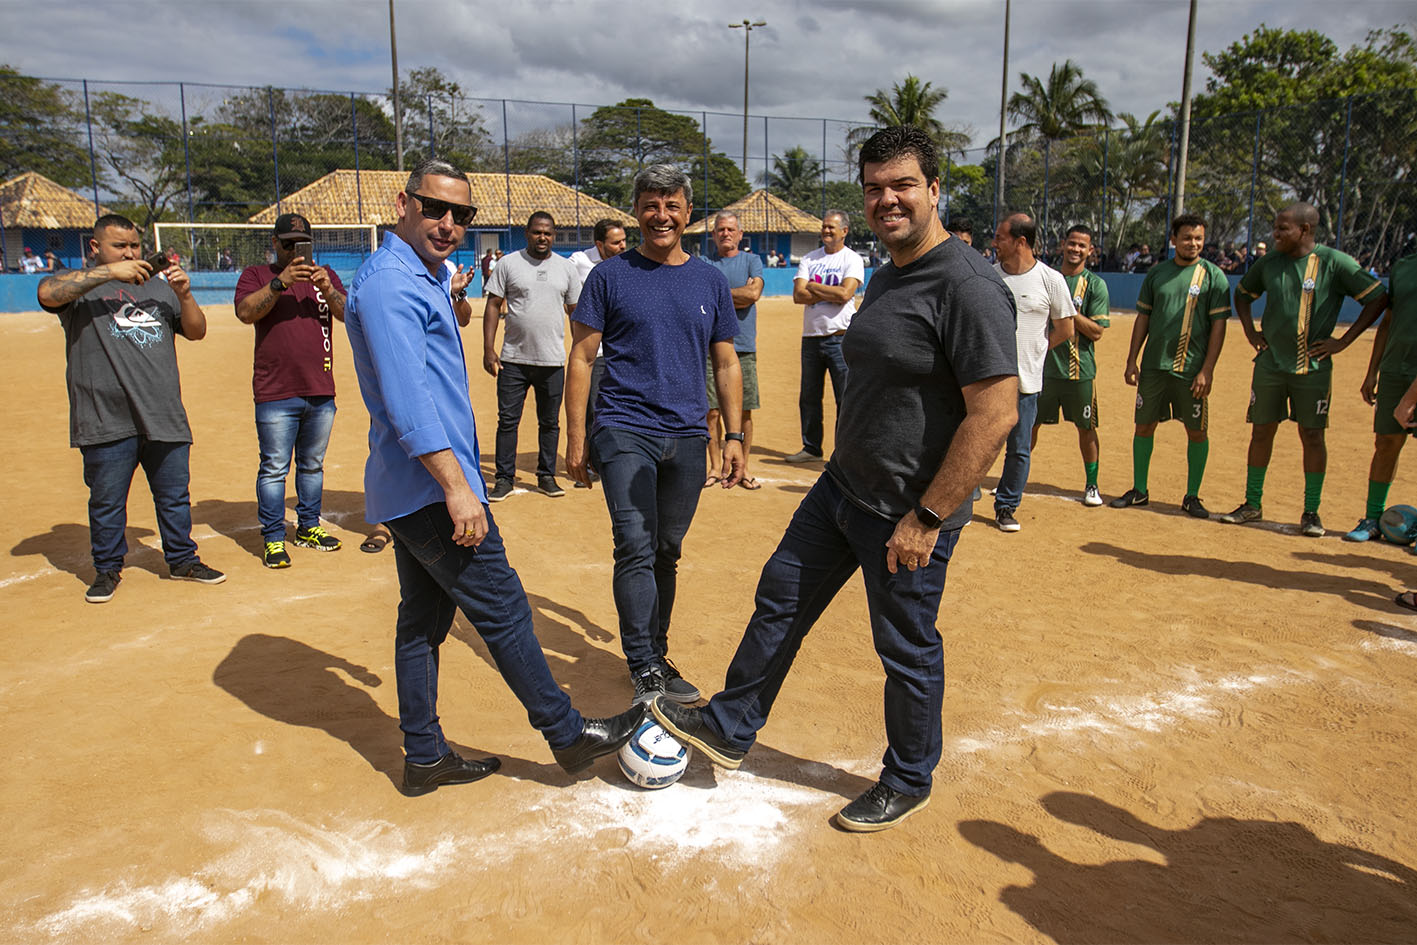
[(196, 152)]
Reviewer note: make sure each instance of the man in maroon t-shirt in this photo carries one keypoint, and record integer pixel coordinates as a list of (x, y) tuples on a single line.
[(292, 302)]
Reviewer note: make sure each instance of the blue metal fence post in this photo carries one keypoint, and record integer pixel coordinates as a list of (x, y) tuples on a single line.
[(358, 184), (1343, 177), (1254, 181), (576, 168), (432, 139), (767, 169), (824, 167), (1106, 195), (639, 143), (703, 142), (507, 168), (1047, 158), (1170, 192), (947, 190), (275, 152), (187, 152), (93, 163)]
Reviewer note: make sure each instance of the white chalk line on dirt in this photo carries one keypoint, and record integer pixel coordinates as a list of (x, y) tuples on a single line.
[(22, 578)]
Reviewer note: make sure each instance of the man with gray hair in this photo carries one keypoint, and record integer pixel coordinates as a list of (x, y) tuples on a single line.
[(423, 481), (744, 272), (660, 314), (826, 285)]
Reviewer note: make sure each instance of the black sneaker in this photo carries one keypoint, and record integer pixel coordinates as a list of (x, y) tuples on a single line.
[(686, 723), (452, 768), (1191, 505), (103, 587), (500, 491), (548, 486), (1129, 498), (649, 682), (880, 808), (1310, 526), (316, 537), (194, 570), (275, 555), (1244, 512), (676, 687), (1004, 518)]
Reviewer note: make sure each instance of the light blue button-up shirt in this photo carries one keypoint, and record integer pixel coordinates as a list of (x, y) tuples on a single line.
[(408, 357)]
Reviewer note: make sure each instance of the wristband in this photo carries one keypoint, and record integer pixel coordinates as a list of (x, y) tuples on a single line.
[(733, 436)]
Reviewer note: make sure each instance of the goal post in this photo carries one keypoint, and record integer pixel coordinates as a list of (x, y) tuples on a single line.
[(217, 247)]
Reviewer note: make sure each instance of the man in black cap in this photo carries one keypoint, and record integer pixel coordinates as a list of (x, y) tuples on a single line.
[(293, 303)]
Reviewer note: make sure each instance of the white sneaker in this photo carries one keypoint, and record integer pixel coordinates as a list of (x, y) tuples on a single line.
[(1091, 496)]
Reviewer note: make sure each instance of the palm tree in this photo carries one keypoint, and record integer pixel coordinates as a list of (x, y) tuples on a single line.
[(911, 102), (795, 175), (1133, 163), (1056, 109)]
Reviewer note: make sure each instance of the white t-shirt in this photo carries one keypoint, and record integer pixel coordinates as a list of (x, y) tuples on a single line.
[(537, 291), (1041, 295), (584, 260), (828, 318)]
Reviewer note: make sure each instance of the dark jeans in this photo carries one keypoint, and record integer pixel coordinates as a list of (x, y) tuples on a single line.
[(821, 355), (108, 472), (828, 539), (652, 486), (438, 577), (1017, 453), (299, 426), (512, 383)]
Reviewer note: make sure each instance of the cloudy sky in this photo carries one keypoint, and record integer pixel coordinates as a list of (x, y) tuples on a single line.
[(815, 59)]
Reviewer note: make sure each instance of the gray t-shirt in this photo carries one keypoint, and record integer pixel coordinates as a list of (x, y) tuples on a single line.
[(537, 291), (923, 332), (122, 364)]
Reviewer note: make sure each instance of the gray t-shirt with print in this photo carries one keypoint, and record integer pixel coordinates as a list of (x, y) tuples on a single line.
[(537, 292)]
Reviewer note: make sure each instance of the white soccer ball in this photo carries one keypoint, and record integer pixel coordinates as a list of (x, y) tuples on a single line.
[(653, 758)]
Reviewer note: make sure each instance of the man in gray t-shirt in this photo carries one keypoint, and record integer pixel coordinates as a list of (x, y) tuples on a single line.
[(535, 290)]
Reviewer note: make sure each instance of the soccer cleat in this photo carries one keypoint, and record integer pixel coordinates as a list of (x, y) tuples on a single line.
[(500, 491), (687, 724), (676, 687), (1191, 505), (275, 555), (1091, 497), (1244, 512), (103, 587), (802, 456), (316, 537), (880, 808), (1310, 526), (548, 486), (194, 570), (1129, 498), (1365, 530)]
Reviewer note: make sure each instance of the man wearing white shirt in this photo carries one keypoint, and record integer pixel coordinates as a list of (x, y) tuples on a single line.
[(826, 285), (1045, 320)]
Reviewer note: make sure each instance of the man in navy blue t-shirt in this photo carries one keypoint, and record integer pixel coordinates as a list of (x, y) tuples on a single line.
[(659, 313)]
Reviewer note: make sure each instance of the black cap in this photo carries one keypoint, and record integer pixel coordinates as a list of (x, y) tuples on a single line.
[(292, 225)]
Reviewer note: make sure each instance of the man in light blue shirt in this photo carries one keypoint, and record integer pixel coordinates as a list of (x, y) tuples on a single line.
[(422, 481)]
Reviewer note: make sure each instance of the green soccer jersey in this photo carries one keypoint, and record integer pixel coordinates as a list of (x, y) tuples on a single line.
[(1181, 302), (1304, 296), (1074, 360), (1400, 353)]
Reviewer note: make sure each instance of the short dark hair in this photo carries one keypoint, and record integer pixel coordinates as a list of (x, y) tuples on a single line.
[(434, 167), (540, 215), (112, 221), (1081, 228), (1022, 225), (1187, 219), (961, 225), (894, 142), (603, 228)]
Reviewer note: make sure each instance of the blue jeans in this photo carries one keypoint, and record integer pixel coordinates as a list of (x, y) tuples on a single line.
[(652, 486), (438, 577), (108, 472), (299, 426), (828, 539), (821, 355), (512, 382), (1016, 455)]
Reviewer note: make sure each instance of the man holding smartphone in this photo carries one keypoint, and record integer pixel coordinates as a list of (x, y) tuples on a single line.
[(125, 396), (292, 302)]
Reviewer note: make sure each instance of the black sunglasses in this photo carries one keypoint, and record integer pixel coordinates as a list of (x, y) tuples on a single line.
[(434, 209)]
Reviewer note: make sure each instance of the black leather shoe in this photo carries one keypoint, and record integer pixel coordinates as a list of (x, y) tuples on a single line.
[(686, 723), (452, 768), (880, 808), (599, 737)]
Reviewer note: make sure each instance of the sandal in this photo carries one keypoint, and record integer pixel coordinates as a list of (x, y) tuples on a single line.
[(373, 544), (751, 484), (1406, 599), (711, 481)]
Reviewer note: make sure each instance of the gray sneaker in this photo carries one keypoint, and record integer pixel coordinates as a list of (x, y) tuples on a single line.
[(649, 682), (802, 456), (500, 491), (1004, 518), (194, 570), (548, 486), (104, 587), (1244, 512), (676, 687)]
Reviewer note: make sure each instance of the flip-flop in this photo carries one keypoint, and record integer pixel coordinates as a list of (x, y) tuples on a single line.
[(1406, 599), (751, 484), (373, 544), (711, 481)]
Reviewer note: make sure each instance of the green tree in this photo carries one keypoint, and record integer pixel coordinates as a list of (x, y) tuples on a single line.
[(726, 182), (618, 140), (796, 177), (141, 149), (42, 130), (458, 131), (911, 102)]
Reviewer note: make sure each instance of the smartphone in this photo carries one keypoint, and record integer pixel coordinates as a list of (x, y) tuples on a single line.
[(306, 249), (158, 261)]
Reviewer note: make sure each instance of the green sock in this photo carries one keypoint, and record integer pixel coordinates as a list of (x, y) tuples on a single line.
[(1091, 470), (1141, 461), (1377, 498), (1196, 454), (1254, 485), (1313, 490)]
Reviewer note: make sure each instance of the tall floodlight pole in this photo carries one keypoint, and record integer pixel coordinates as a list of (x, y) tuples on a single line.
[(747, 26), (398, 110), (1185, 114), (1003, 112)]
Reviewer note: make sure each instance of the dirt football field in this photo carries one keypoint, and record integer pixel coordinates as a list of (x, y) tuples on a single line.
[(1157, 729)]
